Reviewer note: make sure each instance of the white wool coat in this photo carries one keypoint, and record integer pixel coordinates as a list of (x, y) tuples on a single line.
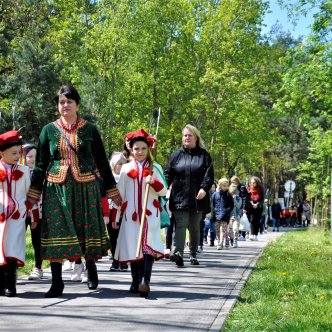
[(13, 195), (132, 191)]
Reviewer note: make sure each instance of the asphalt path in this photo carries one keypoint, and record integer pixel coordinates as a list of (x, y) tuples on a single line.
[(192, 298)]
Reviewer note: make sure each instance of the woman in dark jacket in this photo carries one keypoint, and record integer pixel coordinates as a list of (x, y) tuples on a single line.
[(190, 172)]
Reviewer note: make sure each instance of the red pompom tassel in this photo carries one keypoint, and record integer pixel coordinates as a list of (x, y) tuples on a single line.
[(2, 217), (16, 215), (157, 205), (146, 172), (134, 216), (3, 176), (17, 174), (133, 173)]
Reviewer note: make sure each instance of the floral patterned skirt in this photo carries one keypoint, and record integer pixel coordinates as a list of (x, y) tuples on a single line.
[(73, 224)]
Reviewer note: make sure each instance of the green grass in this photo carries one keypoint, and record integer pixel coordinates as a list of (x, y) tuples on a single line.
[(290, 288)]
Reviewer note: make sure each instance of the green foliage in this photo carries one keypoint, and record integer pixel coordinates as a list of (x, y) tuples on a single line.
[(278, 297), (262, 103), (31, 75)]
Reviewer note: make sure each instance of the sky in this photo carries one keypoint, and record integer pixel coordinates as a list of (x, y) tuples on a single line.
[(277, 14)]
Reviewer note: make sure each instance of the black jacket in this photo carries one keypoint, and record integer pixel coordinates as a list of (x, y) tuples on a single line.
[(189, 170), (223, 204), (276, 210), (245, 195)]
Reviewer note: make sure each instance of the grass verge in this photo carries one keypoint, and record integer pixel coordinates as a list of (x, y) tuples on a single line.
[(290, 288)]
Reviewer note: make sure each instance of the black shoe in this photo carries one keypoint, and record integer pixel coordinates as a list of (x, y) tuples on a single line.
[(2, 280), (92, 275), (114, 266), (211, 244), (56, 290), (10, 292), (194, 261), (134, 286), (144, 289), (10, 276), (177, 259), (123, 267)]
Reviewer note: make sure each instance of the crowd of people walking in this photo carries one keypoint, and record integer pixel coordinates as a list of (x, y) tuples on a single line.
[(80, 206)]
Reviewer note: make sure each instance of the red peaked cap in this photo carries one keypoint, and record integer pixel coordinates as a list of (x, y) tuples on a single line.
[(140, 133), (9, 139)]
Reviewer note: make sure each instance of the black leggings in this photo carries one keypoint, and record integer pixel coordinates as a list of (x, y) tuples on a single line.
[(255, 219), (169, 233), (113, 235), (35, 238)]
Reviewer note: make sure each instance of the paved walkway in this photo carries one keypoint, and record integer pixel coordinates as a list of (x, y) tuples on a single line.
[(193, 298)]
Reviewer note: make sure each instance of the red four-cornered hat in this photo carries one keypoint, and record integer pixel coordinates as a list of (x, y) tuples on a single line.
[(9, 139), (140, 133)]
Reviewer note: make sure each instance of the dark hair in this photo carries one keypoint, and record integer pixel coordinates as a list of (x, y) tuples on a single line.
[(69, 92), (28, 148), (138, 139), (125, 151), (257, 180)]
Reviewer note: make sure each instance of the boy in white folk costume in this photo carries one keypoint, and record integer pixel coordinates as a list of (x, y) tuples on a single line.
[(132, 186), (14, 185)]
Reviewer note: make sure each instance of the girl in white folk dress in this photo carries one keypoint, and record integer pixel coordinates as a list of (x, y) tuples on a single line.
[(132, 186)]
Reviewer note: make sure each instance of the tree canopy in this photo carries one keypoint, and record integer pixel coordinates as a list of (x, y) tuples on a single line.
[(261, 102)]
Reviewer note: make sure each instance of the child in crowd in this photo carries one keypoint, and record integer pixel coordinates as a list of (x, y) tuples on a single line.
[(117, 160), (245, 196), (235, 216), (34, 216), (222, 203), (134, 177), (14, 185), (209, 221)]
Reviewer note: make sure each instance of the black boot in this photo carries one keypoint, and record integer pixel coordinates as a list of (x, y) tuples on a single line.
[(57, 283), (144, 287), (92, 274), (134, 267), (10, 277), (2, 280)]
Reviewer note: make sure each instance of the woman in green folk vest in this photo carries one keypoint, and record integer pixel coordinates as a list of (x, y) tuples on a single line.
[(69, 163)]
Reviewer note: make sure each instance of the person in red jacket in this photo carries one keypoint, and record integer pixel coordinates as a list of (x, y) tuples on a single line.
[(255, 206)]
